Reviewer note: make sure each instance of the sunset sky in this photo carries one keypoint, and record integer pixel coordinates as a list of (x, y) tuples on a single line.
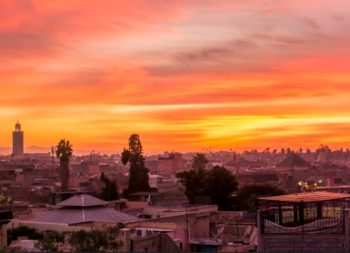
[(184, 74)]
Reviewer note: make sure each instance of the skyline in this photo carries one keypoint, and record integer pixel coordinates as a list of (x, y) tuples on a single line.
[(34, 149), (185, 75)]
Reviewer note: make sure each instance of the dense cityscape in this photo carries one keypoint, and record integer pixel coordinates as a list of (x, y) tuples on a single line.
[(214, 201), (174, 126)]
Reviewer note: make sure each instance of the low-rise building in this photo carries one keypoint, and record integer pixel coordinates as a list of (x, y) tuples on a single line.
[(304, 222)]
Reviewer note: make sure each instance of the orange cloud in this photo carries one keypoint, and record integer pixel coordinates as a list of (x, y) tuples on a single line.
[(184, 74)]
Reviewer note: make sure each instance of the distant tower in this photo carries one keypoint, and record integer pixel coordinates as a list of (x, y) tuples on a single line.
[(17, 140)]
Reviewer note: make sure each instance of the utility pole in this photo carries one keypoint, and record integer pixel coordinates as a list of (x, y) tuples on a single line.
[(187, 244)]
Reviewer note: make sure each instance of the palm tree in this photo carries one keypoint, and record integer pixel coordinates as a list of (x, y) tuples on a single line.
[(64, 151), (199, 161)]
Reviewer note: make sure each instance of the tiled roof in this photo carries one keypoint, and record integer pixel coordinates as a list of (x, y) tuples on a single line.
[(80, 215), (82, 201)]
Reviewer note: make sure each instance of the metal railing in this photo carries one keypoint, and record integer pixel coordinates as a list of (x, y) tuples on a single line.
[(330, 221)]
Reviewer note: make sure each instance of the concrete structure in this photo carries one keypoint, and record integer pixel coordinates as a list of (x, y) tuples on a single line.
[(192, 222), (304, 222), (150, 242), (167, 164), (17, 140)]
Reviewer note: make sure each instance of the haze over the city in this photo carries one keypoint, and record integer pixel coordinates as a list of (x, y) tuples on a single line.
[(184, 75)]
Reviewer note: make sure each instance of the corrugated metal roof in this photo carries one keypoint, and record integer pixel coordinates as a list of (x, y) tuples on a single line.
[(81, 215), (82, 201), (307, 197)]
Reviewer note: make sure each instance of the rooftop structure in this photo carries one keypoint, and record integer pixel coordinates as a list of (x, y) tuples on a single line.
[(84, 209), (83, 200), (293, 160), (301, 222), (306, 197)]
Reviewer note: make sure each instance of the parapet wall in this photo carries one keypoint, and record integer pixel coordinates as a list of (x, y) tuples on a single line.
[(302, 243)]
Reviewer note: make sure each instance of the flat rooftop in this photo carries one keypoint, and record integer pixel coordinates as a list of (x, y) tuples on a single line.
[(332, 187), (315, 196)]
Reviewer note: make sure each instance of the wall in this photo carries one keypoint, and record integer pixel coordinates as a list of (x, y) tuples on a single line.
[(143, 244), (302, 243), (153, 243), (41, 226), (3, 236), (198, 223)]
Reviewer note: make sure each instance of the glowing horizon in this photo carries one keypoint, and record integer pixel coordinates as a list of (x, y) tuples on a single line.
[(184, 75)]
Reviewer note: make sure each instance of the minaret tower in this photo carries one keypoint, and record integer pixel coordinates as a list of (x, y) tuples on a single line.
[(17, 140)]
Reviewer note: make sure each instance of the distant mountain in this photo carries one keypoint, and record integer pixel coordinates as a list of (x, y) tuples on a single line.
[(37, 149), (31, 149), (293, 160), (5, 150)]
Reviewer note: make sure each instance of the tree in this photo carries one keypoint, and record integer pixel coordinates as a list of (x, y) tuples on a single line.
[(110, 189), (95, 240), (87, 241), (50, 240), (138, 173), (217, 183), (31, 233), (64, 151), (248, 195), (199, 161), (220, 184), (194, 182)]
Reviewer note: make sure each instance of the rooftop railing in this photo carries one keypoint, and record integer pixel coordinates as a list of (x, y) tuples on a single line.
[(329, 221)]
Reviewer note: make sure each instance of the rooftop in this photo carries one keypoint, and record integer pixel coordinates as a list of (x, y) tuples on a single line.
[(333, 187), (82, 201), (293, 160), (81, 209), (152, 225), (307, 197), (77, 215), (143, 194)]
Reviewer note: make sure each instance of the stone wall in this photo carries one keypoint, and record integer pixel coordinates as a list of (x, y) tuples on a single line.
[(302, 243)]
